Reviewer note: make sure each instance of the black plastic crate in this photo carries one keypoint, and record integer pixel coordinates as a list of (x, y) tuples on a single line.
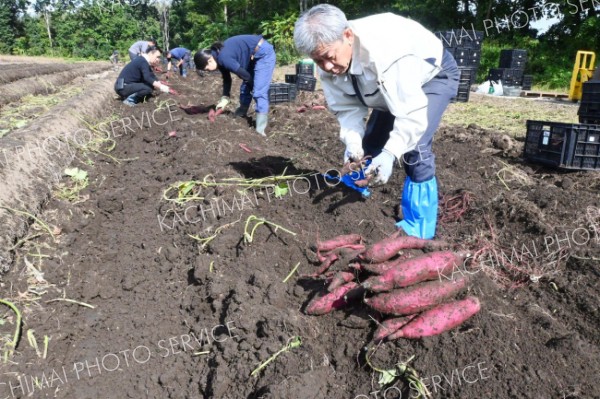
[(467, 74), (508, 76), (590, 119), (513, 54), (527, 82), (565, 145), (513, 58), (592, 87), (306, 82), (589, 112), (466, 57), (282, 92), (462, 95), (305, 69), (515, 64), (590, 92), (290, 79)]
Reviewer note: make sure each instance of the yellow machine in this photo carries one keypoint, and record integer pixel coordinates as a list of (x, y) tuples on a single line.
[(582, 72)]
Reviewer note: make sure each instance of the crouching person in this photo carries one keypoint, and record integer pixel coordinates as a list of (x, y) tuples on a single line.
[(136, 81)]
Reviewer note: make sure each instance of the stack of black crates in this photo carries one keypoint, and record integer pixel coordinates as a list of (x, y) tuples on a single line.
[(465, 46), (512, 68), (304, 79), (589, 107)]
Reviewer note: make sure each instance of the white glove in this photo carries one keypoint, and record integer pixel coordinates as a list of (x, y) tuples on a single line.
[(354, 153), (381, 167), (164, 88), (223, 102)]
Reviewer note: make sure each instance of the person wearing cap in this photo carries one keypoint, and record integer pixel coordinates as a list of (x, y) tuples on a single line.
[(180, 56), (252, 59), (136, 81), (400, 70), (140, 47)]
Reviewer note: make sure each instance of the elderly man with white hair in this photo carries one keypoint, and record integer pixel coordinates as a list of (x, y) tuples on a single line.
[(400, 70)]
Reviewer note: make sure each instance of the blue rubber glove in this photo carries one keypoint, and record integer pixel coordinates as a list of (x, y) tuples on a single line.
[(381, 168)]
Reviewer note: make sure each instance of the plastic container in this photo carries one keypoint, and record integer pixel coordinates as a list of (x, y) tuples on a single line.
[(527, 82), (306, 67), (282, 92), (306, 82), (564, 145), (290, 79)]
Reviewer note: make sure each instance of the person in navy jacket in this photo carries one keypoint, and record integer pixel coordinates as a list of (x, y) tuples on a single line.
[(180, 56), (136, 82), (252, 59)]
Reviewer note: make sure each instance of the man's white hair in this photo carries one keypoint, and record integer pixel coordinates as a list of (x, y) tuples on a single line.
[(323, 24)]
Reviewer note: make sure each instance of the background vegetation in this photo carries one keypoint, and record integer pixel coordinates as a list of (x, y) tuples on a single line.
[(92, 29)]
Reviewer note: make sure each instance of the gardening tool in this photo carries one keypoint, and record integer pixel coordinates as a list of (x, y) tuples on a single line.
[(350, 180)]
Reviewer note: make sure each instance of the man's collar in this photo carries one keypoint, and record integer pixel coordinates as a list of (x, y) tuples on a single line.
[(355, 66)]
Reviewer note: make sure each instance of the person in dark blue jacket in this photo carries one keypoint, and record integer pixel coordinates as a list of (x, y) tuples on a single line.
[(137, 81), (180, 56), (251, 58)]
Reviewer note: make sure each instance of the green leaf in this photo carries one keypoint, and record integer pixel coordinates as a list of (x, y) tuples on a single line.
[(76, 174), (185, 188), (387, 376), (281, 189)]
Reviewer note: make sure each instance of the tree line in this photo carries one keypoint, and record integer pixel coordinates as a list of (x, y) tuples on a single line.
[(92, 29)]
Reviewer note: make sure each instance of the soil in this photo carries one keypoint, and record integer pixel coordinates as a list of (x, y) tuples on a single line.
[(35, 70), (47, 83), (172, 319)]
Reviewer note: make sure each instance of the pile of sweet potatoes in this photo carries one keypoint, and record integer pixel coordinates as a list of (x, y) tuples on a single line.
[(414, 292)]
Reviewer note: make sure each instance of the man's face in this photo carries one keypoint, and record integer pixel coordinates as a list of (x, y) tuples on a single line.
[(335, 57)]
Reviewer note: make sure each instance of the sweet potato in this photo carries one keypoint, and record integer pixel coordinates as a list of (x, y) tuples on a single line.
[(383, 267), (415, 270), (337, 299), (390, 326), (340, 278), (326, 263), (338, 241), (416, 298), (386, 249), (439, 319)]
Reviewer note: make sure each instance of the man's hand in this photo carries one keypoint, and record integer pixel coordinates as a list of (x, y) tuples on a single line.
[(164, 88), (223, 102), (172, 91), (381, 168), (353, 153)]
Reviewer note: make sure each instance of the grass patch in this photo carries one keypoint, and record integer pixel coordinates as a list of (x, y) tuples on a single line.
[(19, 114), (508, 114)]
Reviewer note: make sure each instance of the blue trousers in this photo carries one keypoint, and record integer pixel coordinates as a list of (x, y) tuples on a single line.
[(261, 70), (419, 164)]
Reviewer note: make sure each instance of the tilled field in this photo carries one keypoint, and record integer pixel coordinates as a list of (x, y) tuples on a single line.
[(135, 307)]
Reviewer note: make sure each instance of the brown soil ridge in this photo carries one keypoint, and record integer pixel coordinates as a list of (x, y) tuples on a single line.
[(46, 84), (32, 159), (36, 70)]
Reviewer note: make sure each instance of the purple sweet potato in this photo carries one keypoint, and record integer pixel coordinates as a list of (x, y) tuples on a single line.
[(422, 268), (390, 326), (331, 301), (338, 241), (339, 279), (439, 319), (381, 268), (417, 298), (386, 249)]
